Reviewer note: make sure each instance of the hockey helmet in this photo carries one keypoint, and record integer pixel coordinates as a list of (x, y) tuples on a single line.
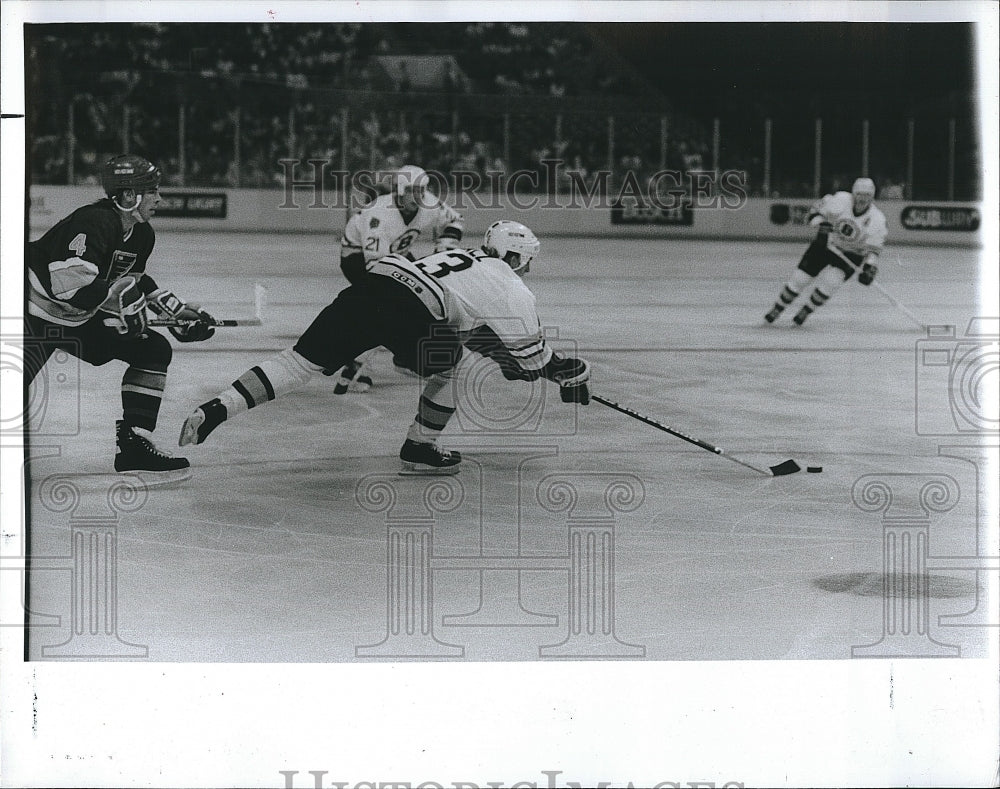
[(513, 243), (128, 171), (863, 186), (863, 193), (411, 178)]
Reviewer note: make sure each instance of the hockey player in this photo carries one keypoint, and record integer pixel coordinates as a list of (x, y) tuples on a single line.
[(419, 310), (391, 224), (851, 232), (88, 292)]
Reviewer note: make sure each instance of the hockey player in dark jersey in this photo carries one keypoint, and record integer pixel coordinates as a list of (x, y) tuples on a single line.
[(88, 291)]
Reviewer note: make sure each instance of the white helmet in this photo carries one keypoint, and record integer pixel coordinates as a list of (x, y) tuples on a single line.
[(411, 177), (863, 186), (513, 243)]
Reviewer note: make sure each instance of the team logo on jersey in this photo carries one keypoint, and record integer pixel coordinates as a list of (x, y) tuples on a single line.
[(121, 264), (374, 222), (402, 243), (847, 228)]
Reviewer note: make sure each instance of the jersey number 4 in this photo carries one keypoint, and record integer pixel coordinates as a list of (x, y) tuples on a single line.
[(78, 244), (442, 265)]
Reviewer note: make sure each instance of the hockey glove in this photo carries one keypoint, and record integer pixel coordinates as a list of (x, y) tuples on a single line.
[(196, 325), (126, 305), (571, 375), (868, 272)]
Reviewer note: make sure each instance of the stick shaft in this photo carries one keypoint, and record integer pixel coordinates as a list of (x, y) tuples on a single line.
[(889, 297), (227, 322), (667, 429)]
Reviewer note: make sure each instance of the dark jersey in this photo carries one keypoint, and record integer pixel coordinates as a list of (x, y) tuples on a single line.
[(71, 267)]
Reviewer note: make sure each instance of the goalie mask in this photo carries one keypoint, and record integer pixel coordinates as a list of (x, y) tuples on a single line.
[(513, 243), (129, 172)]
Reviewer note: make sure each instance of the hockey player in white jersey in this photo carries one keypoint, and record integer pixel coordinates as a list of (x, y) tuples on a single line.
[(421, 311), (398, 222), (851, 232)]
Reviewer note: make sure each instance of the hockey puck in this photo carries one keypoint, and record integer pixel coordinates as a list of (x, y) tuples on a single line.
[(814, 469)]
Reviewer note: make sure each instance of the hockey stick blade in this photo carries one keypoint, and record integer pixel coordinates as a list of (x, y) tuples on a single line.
[(780, 470), (783, 469)]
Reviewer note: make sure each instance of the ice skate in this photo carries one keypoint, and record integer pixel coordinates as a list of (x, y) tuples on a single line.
[(427, 459), (772, 316), (801, 315), (138, 453), (350, 379), (203, 421)]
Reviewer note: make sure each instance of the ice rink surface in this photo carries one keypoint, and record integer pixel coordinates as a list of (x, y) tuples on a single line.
[(571, 532)]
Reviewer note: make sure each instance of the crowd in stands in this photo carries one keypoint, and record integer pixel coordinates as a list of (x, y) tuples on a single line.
[(238, 98)]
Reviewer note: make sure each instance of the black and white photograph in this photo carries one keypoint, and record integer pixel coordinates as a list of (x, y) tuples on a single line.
[(500, 394)]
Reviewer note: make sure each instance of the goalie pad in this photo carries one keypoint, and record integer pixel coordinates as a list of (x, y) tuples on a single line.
[(126, 306)]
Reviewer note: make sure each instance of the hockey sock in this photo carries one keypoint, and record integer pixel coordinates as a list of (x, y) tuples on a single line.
[(786, 297), (829, 280), (262, 383), (437, 404), (818, 298), (791, 291), (142, 391)]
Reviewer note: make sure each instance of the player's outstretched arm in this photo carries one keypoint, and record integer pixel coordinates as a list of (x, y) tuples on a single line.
[(572, 375)]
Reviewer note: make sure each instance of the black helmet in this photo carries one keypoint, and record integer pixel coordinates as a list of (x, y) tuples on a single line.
[(129, 172)]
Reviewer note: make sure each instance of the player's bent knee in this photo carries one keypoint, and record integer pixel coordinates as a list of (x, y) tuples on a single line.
[(155, 348), (800, 279), (831, 278)]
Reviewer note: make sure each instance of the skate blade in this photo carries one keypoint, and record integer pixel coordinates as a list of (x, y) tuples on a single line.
[(189, 433), (102, 482), (158, 479), (423, 470)]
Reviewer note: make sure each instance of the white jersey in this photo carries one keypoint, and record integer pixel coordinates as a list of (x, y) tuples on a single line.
[(856, 234), (469, 288), (378, 229)]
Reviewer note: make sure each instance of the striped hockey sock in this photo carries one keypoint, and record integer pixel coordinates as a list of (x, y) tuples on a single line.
[(279, 375), (786, 297), (142, 392), (818, 298), (436, 406)]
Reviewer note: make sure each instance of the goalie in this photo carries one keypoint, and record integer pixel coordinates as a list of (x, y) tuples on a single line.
[(421, 311), (851, 233), (88, 292)]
